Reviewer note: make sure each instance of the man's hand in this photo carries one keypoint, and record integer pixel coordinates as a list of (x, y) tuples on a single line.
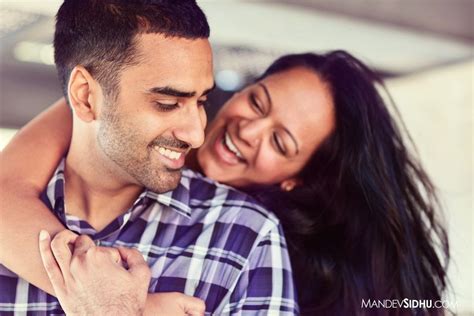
[(91, 280)]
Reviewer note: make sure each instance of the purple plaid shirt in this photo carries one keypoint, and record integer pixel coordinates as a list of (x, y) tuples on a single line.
[(203, 239)]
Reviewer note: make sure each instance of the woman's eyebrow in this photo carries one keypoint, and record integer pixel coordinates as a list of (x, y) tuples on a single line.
[(293, 139), (267, 94), (265, 89)]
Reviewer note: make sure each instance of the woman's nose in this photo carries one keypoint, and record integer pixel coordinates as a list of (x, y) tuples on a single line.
[(251, 131)]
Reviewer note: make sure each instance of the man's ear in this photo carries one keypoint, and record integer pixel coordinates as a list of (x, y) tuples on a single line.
[(289, 184), (82, 93)]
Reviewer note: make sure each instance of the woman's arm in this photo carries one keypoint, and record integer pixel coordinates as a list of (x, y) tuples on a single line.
[(26, 165)]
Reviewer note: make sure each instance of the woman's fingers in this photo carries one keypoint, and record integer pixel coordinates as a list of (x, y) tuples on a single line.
[(193, 306), (174, 303), (49, 263), (135, 262), (106, 253), (61, 246), (82, 244)]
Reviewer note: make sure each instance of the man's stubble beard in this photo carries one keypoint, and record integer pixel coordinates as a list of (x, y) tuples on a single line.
[(122, 143)]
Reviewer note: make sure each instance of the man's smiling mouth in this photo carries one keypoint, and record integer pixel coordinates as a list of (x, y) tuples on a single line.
[(168, 153)]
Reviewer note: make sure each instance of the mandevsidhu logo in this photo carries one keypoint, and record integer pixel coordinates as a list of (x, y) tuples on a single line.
[(407, 303)]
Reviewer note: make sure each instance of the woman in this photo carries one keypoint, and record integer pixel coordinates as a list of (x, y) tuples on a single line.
[(313, 140)]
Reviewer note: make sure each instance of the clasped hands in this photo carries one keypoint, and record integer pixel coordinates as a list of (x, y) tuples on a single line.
[(93, 280)]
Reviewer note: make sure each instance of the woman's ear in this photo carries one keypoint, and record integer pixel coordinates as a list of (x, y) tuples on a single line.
[(81, 91), (289, 184)]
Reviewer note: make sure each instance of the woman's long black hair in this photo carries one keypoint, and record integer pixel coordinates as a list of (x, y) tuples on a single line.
[(364, 223)]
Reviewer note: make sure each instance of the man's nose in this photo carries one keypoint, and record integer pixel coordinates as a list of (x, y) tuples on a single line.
[(191, 126), (252, 131)]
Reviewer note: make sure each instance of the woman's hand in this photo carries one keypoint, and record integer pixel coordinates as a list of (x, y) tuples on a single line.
[(173, 303)]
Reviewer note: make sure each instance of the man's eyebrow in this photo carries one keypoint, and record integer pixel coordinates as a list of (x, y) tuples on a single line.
[(177, 93), (265, 89), (172, 92)]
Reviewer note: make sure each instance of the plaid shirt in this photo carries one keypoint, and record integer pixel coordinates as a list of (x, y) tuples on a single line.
[(203, 239)]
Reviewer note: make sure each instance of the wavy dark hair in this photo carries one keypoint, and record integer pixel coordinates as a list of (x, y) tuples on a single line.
[(364, 223)]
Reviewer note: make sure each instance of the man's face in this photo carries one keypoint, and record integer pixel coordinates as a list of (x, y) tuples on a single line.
[(158, 115)]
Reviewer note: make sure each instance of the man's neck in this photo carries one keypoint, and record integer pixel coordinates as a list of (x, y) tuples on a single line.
[(94, 190)]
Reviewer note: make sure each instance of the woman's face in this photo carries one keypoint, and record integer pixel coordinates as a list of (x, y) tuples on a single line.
[(266, 133)]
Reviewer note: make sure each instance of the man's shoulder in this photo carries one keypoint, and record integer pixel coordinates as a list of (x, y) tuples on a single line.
[(230, 203)]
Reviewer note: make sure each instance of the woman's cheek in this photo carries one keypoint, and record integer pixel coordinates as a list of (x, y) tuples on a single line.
[(269, 170)]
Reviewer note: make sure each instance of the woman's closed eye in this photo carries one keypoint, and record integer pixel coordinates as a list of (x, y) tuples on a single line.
[(279, 144), (256, 104)]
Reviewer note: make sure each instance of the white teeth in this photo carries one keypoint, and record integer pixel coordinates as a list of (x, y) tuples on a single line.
[(231, 146), (169, 153), (175, 155)]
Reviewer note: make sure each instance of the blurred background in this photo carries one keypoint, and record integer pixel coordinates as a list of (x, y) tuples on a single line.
[(424, 49)]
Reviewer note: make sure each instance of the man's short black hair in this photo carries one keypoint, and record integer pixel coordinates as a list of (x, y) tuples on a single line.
[(100, 34)]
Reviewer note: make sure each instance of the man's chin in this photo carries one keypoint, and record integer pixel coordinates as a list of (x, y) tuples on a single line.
[(165, 183)]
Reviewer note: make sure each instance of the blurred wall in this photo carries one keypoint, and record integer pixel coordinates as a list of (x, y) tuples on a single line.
[(437, 107)]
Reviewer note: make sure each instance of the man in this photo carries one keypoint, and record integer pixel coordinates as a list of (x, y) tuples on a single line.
[(136, 75)]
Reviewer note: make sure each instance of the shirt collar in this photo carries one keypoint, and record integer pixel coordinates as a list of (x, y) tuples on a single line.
[(178, 199), (55, 191)]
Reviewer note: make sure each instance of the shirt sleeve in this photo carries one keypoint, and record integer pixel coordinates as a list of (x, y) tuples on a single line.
[(265, 286)]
